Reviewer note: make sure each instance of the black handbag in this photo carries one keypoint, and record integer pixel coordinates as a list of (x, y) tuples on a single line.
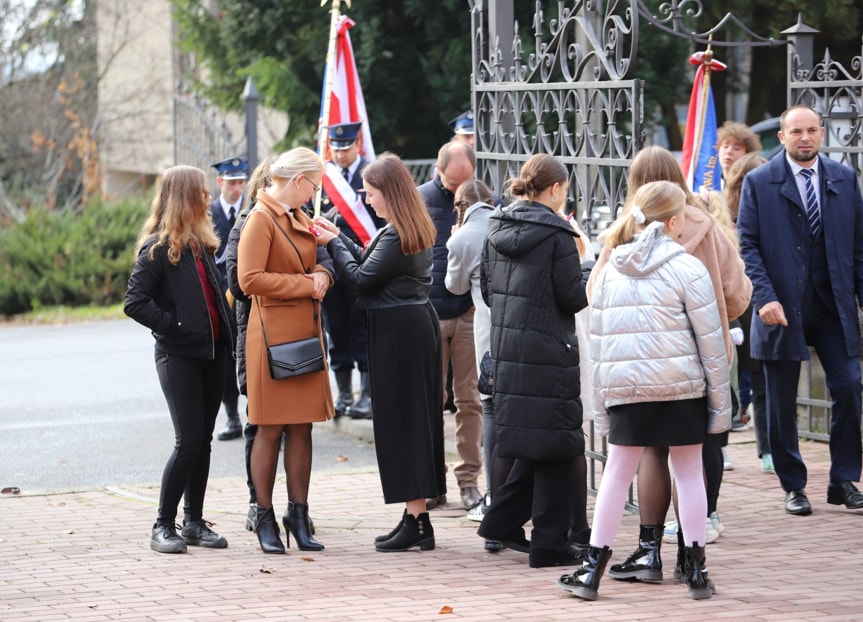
[(294, 358), (485, 384)]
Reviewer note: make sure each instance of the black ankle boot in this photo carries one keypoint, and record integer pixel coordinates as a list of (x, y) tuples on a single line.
[(394, 531), (680, 566), (700, 587), (298, 524), (644, 564), (415, 531), (267, 529), (584, 582)]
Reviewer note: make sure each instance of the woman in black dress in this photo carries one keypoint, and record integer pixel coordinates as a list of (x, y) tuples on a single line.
[(392, 279)]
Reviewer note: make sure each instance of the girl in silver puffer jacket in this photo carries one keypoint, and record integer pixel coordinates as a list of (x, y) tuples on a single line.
[(660, 374)]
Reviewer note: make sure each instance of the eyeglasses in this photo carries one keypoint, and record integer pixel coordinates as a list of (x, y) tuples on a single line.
[(314, 185)]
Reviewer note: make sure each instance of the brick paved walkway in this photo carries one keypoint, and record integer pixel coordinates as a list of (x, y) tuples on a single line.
[(83, 555)]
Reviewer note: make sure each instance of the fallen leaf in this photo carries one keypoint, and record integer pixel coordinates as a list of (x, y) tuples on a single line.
[(11, 490), (93, 606), (445, 609), (306, 558), (57, 504), (69, 532), (266, 570), (341, 458)]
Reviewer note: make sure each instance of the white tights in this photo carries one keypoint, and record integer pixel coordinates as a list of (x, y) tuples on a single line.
[(621, 467)]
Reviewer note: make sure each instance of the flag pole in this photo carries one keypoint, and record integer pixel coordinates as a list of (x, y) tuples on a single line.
[(706, 63), (328, 86)]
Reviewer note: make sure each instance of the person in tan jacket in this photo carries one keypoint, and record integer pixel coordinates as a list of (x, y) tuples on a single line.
[(277, 269), (703, 239)]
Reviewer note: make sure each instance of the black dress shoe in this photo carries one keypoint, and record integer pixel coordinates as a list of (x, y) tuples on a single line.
[(844, 493), (796, 502), (516, 541), (435, 502)]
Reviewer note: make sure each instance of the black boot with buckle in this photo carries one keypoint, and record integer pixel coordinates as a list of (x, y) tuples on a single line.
[(644, 564)]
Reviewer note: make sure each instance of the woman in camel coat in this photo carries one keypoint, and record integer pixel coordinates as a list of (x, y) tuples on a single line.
[(276, 268)]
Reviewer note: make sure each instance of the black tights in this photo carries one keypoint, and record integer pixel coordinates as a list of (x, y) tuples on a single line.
[(297, 460), (654, 479)]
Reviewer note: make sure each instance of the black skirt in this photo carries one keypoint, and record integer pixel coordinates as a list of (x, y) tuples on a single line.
[(404, 349), (658, 424)]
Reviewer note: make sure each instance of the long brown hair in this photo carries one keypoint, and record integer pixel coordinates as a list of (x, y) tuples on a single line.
[(469, 193), (179, 214), (406, 210)]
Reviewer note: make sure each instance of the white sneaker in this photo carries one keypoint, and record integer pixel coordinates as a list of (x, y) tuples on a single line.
[(711, 530), (717, 522), (711, 534), (477, 512), (670, 533), (726, 463)]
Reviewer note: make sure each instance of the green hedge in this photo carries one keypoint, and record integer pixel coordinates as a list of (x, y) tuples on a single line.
[(68, 258)]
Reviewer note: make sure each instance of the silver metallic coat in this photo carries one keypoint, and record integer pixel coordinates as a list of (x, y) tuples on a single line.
[(655, 332)]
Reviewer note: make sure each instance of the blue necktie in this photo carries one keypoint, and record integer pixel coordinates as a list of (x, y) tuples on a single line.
[(812, 211), (346, 173)]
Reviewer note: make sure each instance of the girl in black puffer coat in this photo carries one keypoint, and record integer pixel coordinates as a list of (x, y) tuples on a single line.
[(532, 280)]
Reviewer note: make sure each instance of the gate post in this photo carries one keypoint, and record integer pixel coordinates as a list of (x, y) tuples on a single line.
[(250, 97), (800, 56)]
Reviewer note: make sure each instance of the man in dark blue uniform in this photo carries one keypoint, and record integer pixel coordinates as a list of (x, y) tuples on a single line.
[(462, 128), (231, 178), (347, 337)]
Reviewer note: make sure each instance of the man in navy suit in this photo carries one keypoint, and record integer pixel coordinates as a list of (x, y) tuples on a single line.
[(801, 237), (231, 179)]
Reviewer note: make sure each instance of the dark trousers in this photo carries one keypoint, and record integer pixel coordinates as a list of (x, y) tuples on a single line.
[(347, 336), (230, 390), (823, 332), (534, 490), (193, 390)]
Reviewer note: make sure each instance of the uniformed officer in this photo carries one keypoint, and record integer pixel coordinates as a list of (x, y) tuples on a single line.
[(231, 179), (347, 337), (462, 127)]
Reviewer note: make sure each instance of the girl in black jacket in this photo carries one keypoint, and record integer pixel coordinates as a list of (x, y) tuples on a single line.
[(175, 291)]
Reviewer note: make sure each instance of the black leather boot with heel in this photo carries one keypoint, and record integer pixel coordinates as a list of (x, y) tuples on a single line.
[(298, 524), (584, 582), (267, 529), (644, 564), (415, 531)]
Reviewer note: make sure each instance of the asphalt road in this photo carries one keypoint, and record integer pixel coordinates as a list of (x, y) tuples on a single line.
[(81, 407)]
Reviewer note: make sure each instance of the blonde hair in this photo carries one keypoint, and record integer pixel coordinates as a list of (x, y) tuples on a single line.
[(406, 210), (734, 182), (655, 201), (718, 208), (291, 164), (259, 180), (179, 214)]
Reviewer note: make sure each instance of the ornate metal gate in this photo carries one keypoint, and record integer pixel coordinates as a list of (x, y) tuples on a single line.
[(572, 97), (201, 134)]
